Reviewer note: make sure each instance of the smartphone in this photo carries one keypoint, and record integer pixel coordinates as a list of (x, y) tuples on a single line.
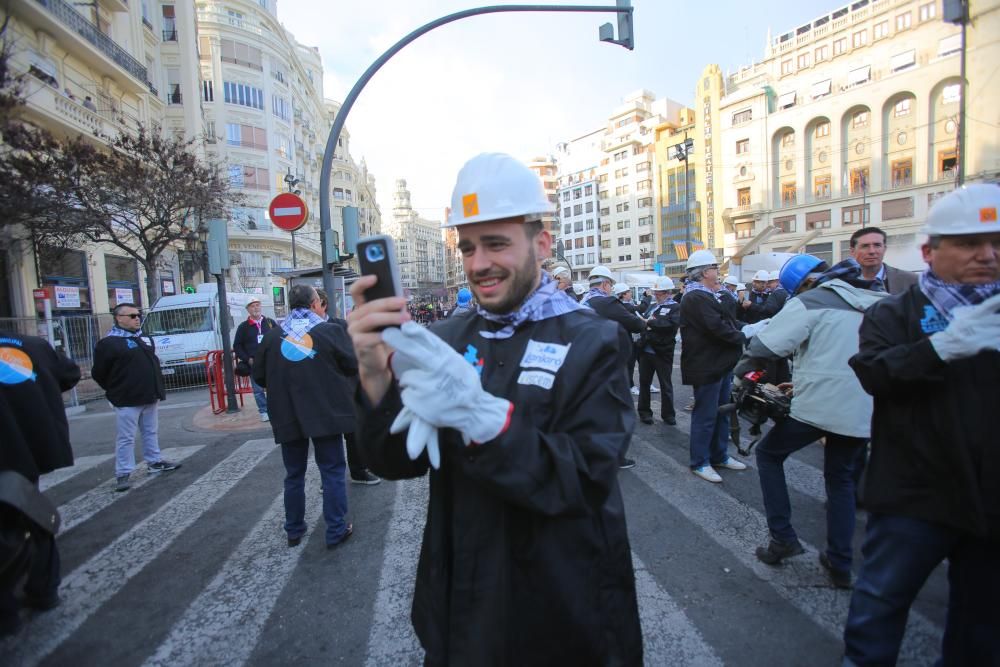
[(377, 257)]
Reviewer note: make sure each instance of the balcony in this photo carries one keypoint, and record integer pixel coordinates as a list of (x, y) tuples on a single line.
[(60, 18)]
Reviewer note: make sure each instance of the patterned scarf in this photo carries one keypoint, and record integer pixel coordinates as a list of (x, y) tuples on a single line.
[(850, 272), (695, 286), (299, 322), (591, 293), (545, 302), (117, 331), (731, 292), (945, 297)]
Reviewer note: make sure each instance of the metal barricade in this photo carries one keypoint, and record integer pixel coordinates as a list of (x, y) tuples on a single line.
[(216, 377)]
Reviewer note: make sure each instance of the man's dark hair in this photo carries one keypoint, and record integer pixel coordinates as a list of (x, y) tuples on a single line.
[(301, 296), (868, 230), (115, 311), (533, 228), (321, 295)]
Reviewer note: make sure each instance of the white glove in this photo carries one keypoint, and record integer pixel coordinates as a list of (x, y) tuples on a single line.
[(751, 330), (972, 330), (421, 435), (441, 387)]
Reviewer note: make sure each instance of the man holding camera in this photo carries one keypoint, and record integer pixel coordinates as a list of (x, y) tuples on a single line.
[(248, 336), (519, 414)]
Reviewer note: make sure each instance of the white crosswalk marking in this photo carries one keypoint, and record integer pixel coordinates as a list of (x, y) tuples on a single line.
[(740, 529), (81, 464), (391, 640), (93, 501), (222, 625), (668, 636), (92, 584)]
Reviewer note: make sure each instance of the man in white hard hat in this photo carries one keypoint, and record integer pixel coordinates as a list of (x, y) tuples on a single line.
[(656, 352), (930, 357), (623, 292), (729, 297), (563, 276), (519, 415), (756, 298), (776, 369), (711, 346)]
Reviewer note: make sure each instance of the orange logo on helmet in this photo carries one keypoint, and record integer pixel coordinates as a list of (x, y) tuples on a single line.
[(988, 214), (470, 205)]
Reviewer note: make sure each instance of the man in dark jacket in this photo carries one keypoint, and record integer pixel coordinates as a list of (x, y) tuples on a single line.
[(305, 364), (711, 346), (35, 441), (868, 246), (755, 299), (656, 352), (930, 357), (519, 414), (126, 367), (248, 336)]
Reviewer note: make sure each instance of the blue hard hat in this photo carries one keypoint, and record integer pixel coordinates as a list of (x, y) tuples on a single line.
[(797, 269), (464, 297)]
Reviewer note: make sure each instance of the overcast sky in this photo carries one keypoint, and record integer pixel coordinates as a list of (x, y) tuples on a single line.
[(514, 82)]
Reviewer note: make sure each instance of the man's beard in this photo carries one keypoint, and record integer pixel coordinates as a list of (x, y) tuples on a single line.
[(521, 285)]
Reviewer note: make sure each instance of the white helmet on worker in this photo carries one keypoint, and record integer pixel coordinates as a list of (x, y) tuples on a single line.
[(495, 186), (700, 258), (971, 209), (663, 284), (620, 288), (599, 274), (773, 275), (559, 270), (579, 289), (762, 276), (731, 280)]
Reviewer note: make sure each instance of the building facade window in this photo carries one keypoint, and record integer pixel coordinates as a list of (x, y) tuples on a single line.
[(241, 54), (855, 215), (744, 230), (859, 119), (822, 130), (788, 195), (821, 53), (281, 108), (902, 107), (839, 46), (785, 224), (243, 95), (742, 146), (802, 61), (818, 220), (951, 94), (894, 209), (904, 21), (169, 23), (644, 202), (902, 173), (786, 67), (859, 180), (927, 12), (744, 116), (208, 90), (859, 39), (880, 31), (743, 197), (821, 187)]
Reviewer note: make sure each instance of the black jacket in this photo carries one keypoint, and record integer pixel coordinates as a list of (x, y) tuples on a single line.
[(309, 390), (934, 452), (752, 314), (712, 341), (774, 302), (32, 417), (613, 309), (661, 328), (525, 557), (731, 303), (245, 340), (128, 370)]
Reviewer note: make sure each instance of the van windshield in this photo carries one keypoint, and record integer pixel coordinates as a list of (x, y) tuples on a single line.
[(177, 321)]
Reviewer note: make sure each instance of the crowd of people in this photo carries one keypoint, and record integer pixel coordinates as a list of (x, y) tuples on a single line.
[(518, 403)]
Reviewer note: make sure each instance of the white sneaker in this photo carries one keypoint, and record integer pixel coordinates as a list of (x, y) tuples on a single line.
[(635, 391), (264, 417), (708, 474), (732, 464), (653, 388)]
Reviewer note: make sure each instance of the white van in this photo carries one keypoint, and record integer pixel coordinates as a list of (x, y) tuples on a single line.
[(186, 327)]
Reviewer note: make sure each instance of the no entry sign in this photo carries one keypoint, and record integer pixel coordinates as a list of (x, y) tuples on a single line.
[(288, 211)]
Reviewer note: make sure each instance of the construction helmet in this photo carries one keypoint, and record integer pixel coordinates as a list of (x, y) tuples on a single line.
[(774, 275), (495, 186), (971, 209), (620, 288), (731, 280), (701, 258), (579, 289), (559, 270), (797, 269), (761, 276), (663, 284), (599, 273)]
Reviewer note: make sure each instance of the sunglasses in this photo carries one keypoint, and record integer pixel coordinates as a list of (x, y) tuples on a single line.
[(133, 316)]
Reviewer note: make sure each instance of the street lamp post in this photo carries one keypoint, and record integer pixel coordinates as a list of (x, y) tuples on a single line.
[(623, 9), (291, 181)]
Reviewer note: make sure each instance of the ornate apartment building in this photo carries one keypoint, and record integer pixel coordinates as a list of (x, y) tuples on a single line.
[(420, 248)]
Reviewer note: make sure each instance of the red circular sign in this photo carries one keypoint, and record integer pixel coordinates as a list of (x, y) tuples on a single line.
[(288, 211)]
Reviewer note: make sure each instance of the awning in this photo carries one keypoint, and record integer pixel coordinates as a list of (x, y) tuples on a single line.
[(950, 44), (820, 88), (859, 75), (786, 100), (901, 60)]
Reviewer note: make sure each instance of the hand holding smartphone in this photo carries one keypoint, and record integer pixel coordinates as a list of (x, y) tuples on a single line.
[(377, 257)]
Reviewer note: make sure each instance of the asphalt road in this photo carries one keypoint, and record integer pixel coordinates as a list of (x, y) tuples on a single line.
[(191, 567)]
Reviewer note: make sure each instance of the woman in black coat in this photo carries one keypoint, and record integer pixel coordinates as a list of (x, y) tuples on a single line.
[(305, 364)]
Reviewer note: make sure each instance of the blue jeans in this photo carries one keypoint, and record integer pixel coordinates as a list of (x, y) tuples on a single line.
[(329, 454), (899, 554), (709, 429), (841, 457), (127, 420), (260, 396)]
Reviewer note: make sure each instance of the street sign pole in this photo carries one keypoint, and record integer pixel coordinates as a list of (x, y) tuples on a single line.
[(218, 257)]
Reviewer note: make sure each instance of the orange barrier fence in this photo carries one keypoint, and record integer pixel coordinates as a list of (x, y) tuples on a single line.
[(214, 372)]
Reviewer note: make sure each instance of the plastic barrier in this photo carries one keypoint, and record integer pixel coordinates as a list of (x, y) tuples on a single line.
[(215, 374)]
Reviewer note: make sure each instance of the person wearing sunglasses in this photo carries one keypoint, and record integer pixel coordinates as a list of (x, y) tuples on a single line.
[(127, 369)]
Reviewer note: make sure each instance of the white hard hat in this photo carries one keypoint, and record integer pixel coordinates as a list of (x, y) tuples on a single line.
[(701, 258), (774, 275), (579, 289), (741, 287), (620, 288), (559, 270), (600, 272), (731, 280), (663, 284), (762, 275), (494, 186), (971, 209)]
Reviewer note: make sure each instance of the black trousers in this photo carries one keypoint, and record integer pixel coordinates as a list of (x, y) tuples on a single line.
[(40, 562), (355, 464), (663, 365)]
